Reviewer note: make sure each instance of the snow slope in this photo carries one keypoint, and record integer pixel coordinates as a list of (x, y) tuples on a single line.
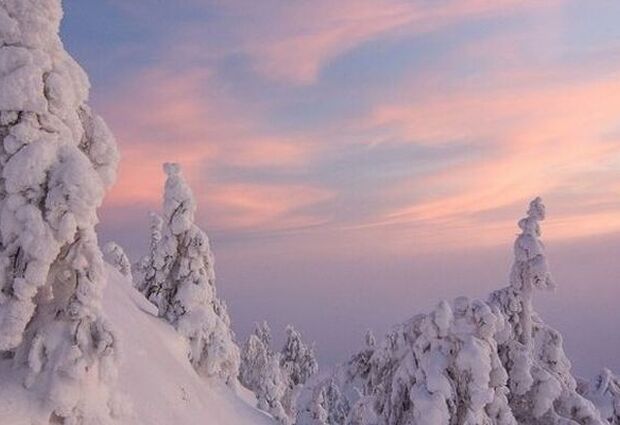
[(159, 385)]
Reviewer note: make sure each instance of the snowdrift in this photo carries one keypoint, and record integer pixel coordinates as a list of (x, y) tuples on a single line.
[(158, 384)]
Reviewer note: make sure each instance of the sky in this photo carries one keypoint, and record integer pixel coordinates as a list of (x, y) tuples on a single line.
[(357, 161)]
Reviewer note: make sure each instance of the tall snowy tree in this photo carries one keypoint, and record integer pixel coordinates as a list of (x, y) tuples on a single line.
[(57, 159), (542, 389), (181, 282)]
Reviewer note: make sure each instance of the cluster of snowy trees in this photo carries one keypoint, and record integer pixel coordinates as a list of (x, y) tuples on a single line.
[(470, 362), (277, 377)]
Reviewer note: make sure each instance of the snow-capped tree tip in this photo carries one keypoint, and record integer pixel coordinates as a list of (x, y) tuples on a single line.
[(172, 168), (537, 209)]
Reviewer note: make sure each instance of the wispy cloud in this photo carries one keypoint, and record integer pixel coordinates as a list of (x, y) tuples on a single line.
[(271, 142), (179, 116), (536, 136)]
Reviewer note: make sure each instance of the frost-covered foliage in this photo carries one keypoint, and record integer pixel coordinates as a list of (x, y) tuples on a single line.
[(178, 277), (471, 361), (57, 158), (604, 392), (115, 254), (297, 358), (276, 377)]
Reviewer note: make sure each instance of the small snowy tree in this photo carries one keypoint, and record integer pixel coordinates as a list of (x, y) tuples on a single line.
[(150, 270), (254, 356), (297, 358), (604, 392), (260, 372), (118, 259), (298, 364), (57, 159), (263, 332), (181, 281)]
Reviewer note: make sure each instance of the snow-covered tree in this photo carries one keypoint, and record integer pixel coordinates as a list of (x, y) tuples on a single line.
[(57, 158), (604, 392), (150, 270), (118, 259), (254, 356), (542, 389), (271, 390), (260, 372), (263, 332), (297, 358), (181, 282)]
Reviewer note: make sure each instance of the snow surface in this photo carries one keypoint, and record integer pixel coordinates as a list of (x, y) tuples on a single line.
[(159, 385)]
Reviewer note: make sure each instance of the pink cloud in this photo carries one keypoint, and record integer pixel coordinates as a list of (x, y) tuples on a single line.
[(264, 206), (533, 140), (179, 116)]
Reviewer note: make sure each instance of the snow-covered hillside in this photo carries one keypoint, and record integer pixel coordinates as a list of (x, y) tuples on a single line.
[(158, 385)]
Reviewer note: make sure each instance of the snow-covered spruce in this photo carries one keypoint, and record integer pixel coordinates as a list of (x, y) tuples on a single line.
[(116, 256), (149, 271), (179, 279), (542, 389), (297, 358), (298, 363), (254, 354), (57, 159), (471, 361)]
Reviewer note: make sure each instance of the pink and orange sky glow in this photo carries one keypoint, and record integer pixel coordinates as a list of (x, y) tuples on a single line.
[(357, 160)]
